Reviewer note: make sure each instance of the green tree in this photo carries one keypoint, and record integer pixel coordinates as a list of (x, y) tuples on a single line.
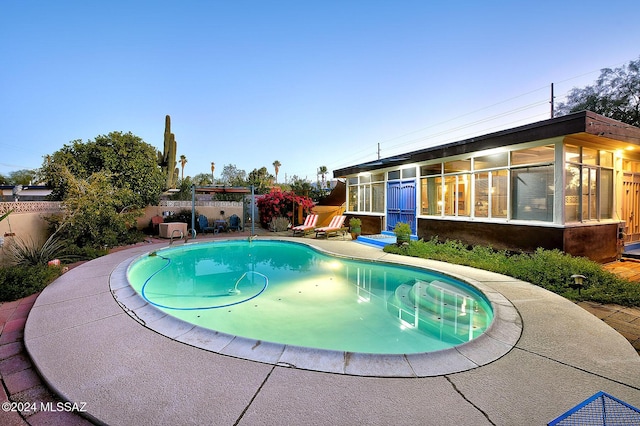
[(232, 176), (184, 193), (261, 179), (615, 94), (3, 180), (96, 213), (22, 177), (129, 163), (202, 179)]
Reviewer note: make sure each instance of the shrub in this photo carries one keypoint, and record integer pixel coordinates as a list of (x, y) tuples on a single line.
[(281, 204), (183, 216), (550, 269), (22, 281), (279, 224)]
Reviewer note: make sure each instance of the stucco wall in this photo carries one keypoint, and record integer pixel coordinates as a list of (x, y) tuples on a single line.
[(24, 226)]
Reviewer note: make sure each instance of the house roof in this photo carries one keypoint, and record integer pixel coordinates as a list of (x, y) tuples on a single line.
[(584, 125)]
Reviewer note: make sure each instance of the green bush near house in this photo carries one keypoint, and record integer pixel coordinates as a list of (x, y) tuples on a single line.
[(17, 282), (550, 269)]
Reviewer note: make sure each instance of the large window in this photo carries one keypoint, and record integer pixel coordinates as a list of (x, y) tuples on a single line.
[(491, 194), (588, 184), (509, 184), (532, 193), (366, 193)]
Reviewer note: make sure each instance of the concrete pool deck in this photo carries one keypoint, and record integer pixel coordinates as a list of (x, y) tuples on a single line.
[(89, 350)]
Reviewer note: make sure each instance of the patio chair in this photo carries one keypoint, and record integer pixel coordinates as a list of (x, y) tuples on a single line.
[(155, 224), (336, 225), (308, 225), (234, 223), (203, 222)]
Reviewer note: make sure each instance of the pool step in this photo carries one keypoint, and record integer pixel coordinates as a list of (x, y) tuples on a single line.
[(436, 308)]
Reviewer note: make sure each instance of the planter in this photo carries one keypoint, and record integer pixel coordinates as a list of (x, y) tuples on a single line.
[(355, 232)]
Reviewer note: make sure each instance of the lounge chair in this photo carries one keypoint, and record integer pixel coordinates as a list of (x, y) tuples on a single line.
[(203, 222), (308, 225), (336, 225)]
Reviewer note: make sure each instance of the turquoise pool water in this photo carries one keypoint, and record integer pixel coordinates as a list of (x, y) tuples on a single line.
[(290, 293)]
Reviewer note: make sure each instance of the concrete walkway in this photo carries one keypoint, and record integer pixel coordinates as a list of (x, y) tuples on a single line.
[(90, 351)]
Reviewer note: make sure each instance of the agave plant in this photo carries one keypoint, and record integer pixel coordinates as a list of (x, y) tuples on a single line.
[(5, 215), (24, 253)]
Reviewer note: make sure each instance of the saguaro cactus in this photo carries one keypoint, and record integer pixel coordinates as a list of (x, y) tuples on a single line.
[(167, 159)]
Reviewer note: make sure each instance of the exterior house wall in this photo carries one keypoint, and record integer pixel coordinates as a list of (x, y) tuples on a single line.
[(572, 200), (597, 242), (370, 224)]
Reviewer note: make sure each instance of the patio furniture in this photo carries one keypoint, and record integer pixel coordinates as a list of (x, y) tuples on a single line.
[(220, 225), (203, 222), (309, 225), (234, 223), (335, 226)]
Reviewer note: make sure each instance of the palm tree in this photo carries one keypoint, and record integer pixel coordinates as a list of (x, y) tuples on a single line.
[(183, 161), (322, 171), (276, 166)]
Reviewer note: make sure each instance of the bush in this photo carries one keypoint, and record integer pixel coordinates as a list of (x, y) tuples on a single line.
[(550, 269), (279, 224), (21, 281), (281, 204), (183, 216)]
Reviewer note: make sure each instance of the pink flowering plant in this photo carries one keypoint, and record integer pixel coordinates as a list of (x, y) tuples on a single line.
[(281, 204)]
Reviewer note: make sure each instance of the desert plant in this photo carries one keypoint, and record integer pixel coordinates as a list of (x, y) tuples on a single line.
[(279, 224), (4, 216), (30, 253)]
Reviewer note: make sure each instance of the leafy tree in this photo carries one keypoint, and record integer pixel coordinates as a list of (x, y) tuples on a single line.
[(4, 180), (96, 213), (300, 186), (184, 193), (22, 177), (276, 167), (615, 94), (202, 179), (261, 179), (129, 163), (232, 176)]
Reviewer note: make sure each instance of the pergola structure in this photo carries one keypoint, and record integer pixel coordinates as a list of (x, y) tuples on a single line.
[(215, 189)]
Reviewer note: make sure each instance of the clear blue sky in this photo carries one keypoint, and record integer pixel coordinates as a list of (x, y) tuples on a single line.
[(308, 83)]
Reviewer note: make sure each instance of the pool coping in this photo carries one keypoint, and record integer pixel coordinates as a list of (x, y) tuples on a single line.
[(499, 338), (88, 350)]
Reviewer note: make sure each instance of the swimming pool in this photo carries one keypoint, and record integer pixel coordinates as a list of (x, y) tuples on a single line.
[(292, 294)]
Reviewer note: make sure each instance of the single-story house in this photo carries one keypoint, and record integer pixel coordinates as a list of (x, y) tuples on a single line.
[(570, 183), (24, 193)]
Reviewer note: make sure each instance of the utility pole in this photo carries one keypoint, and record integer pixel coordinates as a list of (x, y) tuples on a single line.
[(552, 112), (378, 150)]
